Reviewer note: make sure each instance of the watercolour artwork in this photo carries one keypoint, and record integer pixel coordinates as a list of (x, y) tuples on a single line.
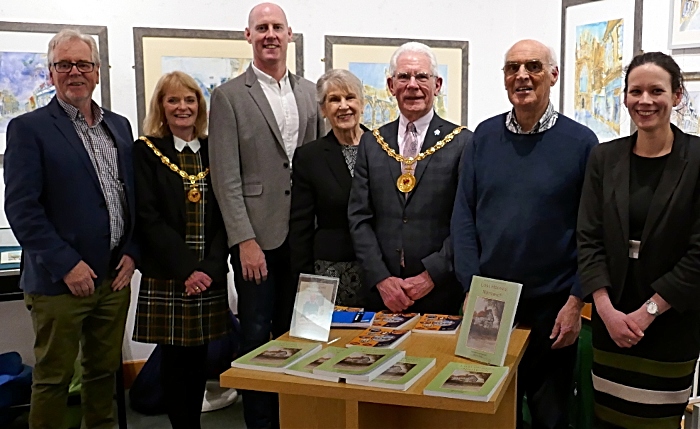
[(689, 18), (598, 77), (686, 116), (380, 105), (207, 72), (24, 84)]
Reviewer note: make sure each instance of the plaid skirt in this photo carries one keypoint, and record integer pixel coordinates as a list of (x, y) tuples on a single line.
[(165, 314)]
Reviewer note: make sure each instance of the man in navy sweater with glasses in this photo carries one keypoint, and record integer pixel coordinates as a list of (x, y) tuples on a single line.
[(515, 219)]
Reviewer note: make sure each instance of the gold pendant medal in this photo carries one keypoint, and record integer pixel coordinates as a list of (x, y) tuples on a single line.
[(194, 195), (406, 182)]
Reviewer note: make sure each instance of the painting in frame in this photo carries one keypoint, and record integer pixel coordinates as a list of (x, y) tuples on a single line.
[(211, 57), (599, 39), (684, 27), (368, 58), (686, 115), (24, 72)]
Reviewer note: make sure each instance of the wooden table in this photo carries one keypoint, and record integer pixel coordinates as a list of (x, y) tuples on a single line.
[(312, 404)]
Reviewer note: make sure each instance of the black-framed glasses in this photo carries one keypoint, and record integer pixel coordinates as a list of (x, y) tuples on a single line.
[(405, 77), (531, 67), (67, 66)]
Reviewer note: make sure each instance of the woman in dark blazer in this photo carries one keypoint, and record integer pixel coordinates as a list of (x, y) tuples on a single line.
[(319, 235), (183, 302), (639, 255)]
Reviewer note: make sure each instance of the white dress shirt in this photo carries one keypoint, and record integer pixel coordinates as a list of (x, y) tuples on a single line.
[(421, 125), (180, 144), (284, 107)]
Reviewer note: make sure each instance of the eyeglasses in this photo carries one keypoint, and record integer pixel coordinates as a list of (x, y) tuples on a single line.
[(67, 66), (531, 67), (421, 77)]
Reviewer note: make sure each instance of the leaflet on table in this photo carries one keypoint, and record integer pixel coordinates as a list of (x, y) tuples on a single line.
[(401, 375), (275, 355), (467, 381), (488, 319), (313, 307)]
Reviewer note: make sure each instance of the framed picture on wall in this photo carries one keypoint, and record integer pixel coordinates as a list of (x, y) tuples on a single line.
[(211, 57), (687, 115), (685, 24), (368, 58), (599, 39), (24, 72)]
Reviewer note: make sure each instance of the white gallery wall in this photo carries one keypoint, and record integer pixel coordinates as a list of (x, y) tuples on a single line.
[(489, 26)]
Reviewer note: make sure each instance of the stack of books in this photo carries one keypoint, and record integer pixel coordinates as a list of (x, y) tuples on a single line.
[(381, 338), (394, 320), (359, 363), (305, 367), (437, 324), (351, 317), (275, 356), (401, 375)]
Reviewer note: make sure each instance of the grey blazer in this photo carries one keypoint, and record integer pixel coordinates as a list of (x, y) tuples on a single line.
[(250, 170), (383, 221)]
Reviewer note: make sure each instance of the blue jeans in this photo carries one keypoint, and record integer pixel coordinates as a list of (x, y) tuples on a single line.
[(265, 311)]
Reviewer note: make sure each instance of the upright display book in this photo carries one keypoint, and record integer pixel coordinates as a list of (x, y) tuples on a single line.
[(401, 375), (352, 319), (437, 324), (305, 367), (275, 355), (359, 363), (394, 320), (472, 382), (313, 307), (380, 338), (488, 319)]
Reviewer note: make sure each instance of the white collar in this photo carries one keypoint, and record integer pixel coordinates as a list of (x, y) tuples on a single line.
[(421, 124), (264, 77), (180, 144)]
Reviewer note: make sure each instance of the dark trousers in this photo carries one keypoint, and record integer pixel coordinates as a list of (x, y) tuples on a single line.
[(183, 377), (264, 310), (544, 375)]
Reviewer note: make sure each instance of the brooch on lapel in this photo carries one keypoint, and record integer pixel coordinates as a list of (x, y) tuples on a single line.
[(437, 132)]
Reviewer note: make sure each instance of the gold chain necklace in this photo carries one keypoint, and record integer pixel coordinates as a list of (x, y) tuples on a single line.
[(407, 181), (194, 195)]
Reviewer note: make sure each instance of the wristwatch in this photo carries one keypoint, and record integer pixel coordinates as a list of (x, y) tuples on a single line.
[(652, 308)]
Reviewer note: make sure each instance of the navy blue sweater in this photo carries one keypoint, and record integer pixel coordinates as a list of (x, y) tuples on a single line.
[(515, 212)]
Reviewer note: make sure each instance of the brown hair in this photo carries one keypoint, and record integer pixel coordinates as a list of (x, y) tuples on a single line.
[(154, 124)]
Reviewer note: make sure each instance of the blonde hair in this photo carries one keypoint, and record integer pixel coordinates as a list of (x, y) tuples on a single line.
[(155, 124)]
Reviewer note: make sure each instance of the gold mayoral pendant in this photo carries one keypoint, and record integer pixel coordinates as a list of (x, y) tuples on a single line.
[(406, 182), (194, 195)]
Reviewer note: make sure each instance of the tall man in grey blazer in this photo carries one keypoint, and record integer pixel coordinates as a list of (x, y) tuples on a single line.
[(257, 121), (399, 212)]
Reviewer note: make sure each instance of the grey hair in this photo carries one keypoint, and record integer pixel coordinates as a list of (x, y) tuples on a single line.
[(338, 78), (416, 48), (68, 34)]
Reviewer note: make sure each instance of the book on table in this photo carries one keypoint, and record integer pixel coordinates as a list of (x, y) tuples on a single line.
[(305, 367), (359, 363), (275, 355), (472, 382), (394, 320), (442, 324), (313, 307), (488, 320), (401, 375), (381, 338), (351, 317)]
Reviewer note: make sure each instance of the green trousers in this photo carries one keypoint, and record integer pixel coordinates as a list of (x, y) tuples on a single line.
[(63, 324)]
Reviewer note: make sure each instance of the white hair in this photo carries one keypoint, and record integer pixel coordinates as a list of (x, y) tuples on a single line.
[(416, 48), (68, 34)]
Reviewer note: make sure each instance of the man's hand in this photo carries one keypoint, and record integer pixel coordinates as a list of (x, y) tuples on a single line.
[(641, 318), (392, 291), (253, 262), (621, 327), (417, 287), (197, 283), (125, 270), (79, 279), (567, 324)]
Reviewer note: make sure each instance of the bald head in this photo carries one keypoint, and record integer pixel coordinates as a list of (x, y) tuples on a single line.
[(542, 50), (265, 9)]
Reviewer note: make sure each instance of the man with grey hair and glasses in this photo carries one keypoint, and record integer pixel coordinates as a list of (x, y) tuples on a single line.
[(402, 195), (69, 198), (515, 219)]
